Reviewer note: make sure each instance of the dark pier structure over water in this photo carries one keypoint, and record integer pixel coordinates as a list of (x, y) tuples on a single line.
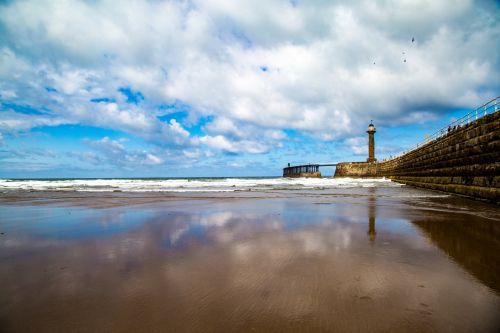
[(461, 158), (307, 170)]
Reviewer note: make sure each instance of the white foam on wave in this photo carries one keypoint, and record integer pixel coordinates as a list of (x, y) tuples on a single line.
[(191, 185)]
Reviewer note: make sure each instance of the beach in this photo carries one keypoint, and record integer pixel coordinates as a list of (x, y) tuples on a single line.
[(261, 255)]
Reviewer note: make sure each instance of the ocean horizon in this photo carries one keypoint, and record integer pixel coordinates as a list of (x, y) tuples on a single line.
[(190, 184)]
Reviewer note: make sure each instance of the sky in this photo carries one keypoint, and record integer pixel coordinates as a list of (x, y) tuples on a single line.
[(198, 88)]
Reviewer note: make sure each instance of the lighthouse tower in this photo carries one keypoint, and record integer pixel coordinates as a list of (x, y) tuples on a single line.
[(371, 143)]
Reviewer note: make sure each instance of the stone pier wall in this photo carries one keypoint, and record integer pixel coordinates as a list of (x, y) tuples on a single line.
[(356, 169), (465, 161)]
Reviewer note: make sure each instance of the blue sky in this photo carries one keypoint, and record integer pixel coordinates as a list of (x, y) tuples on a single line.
[(219, 88)]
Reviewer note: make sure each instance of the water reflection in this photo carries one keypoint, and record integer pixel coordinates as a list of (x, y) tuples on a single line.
[(372, 212), (473, 243), (69, 222), (239, 266)]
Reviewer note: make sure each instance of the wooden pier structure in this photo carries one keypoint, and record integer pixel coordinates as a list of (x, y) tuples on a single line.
[(306, 170)]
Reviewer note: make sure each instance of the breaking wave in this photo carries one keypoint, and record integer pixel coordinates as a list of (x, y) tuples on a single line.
[(190, 184)]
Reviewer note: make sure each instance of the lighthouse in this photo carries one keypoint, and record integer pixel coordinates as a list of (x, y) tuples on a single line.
[(371, 143)]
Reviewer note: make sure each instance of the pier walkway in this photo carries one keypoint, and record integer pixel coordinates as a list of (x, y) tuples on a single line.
[(306, 170)]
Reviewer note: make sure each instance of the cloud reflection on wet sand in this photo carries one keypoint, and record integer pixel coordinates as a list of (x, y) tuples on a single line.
[(241, 265)]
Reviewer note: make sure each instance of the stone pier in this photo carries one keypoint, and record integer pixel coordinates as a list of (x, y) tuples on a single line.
[(463, 159)]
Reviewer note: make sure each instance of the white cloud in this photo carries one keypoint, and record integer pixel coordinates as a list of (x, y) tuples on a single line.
[(358, 145), (223, 125), (256, 67), (152, 159), (114, 152), (107, 145), (219, 142), (222, 143), (11, 121), (174, 127), (191, 153)]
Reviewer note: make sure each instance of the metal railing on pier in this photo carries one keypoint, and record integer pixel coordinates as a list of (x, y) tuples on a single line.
[(485, 109)]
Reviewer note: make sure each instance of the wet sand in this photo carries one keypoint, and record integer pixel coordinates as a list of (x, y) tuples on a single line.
[(353, 260)]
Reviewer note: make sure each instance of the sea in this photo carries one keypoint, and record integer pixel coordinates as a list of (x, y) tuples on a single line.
[(190, 184)]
